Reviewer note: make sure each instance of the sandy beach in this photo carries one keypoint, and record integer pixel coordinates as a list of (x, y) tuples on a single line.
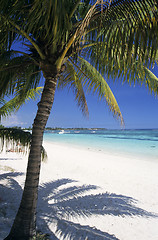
[(85, 194)]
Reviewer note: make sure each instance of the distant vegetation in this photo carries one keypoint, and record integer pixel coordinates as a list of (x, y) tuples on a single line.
[(78, 129), (56, 128)]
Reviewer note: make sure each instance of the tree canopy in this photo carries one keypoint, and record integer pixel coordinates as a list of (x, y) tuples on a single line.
[(85, 41)]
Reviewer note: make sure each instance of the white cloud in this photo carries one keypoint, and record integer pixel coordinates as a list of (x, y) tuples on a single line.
[(11, 121)]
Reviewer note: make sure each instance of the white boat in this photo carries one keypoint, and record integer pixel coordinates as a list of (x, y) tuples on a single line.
[(61, 132)]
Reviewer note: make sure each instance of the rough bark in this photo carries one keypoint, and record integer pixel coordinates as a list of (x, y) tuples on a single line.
[(24, 226)]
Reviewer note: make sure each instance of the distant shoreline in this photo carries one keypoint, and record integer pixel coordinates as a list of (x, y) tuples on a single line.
[(95, 128), (82, 128)]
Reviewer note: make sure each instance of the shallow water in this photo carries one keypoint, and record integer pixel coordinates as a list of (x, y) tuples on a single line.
[(141, 143)]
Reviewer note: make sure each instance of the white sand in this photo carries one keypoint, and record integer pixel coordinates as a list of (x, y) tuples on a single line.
[(85, 194)]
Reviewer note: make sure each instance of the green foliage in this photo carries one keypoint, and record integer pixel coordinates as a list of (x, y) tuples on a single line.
[(98, 85), (118, 38), (72, 79), (17, 73), (128, 32), (14, 137), (82, 75), (17, 140), (41, 236), (15, 103)]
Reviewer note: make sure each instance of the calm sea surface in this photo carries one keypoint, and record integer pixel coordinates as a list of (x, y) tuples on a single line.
[(142, 143)]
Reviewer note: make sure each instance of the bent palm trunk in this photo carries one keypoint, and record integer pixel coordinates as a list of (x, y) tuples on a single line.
[(24, 226)]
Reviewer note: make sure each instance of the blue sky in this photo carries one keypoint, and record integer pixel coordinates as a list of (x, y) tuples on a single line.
[(139, 109)]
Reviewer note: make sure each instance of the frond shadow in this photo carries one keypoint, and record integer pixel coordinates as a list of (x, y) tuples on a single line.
[(10, 176), (62, 202), (78, 232)]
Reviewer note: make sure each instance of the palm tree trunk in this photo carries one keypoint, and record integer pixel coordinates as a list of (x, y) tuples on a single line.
[(24, 226)]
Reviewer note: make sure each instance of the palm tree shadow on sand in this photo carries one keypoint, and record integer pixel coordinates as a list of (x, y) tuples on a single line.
[(63, 199)]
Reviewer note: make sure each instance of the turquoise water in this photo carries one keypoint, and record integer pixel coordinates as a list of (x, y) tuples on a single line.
[(142, 143)]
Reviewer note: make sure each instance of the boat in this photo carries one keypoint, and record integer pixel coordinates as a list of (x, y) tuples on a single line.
[(61, 132)]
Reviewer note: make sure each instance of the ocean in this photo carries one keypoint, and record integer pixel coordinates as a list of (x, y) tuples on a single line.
[(135, 143)]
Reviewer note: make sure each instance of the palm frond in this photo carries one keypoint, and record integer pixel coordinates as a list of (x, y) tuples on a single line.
[(135, 72), (17, 72), (83, 73), (71, 79), (17, 140), (15, 103), (94, 81), (123, 33), (150, 80), (127, 31), (14, 139), (48, 23)]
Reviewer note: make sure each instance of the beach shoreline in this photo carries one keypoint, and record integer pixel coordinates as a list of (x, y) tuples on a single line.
[(90, 193)]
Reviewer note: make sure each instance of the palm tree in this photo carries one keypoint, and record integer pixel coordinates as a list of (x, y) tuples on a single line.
[(72, 43)]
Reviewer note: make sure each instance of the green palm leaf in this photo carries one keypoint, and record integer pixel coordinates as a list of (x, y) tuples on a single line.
[(17, 140), (71, 79), (18, 73), (125, 35), (15, 103), (95, 82), (151, 80)]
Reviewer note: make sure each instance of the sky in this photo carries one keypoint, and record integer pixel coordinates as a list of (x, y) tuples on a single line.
[(139, 109)]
